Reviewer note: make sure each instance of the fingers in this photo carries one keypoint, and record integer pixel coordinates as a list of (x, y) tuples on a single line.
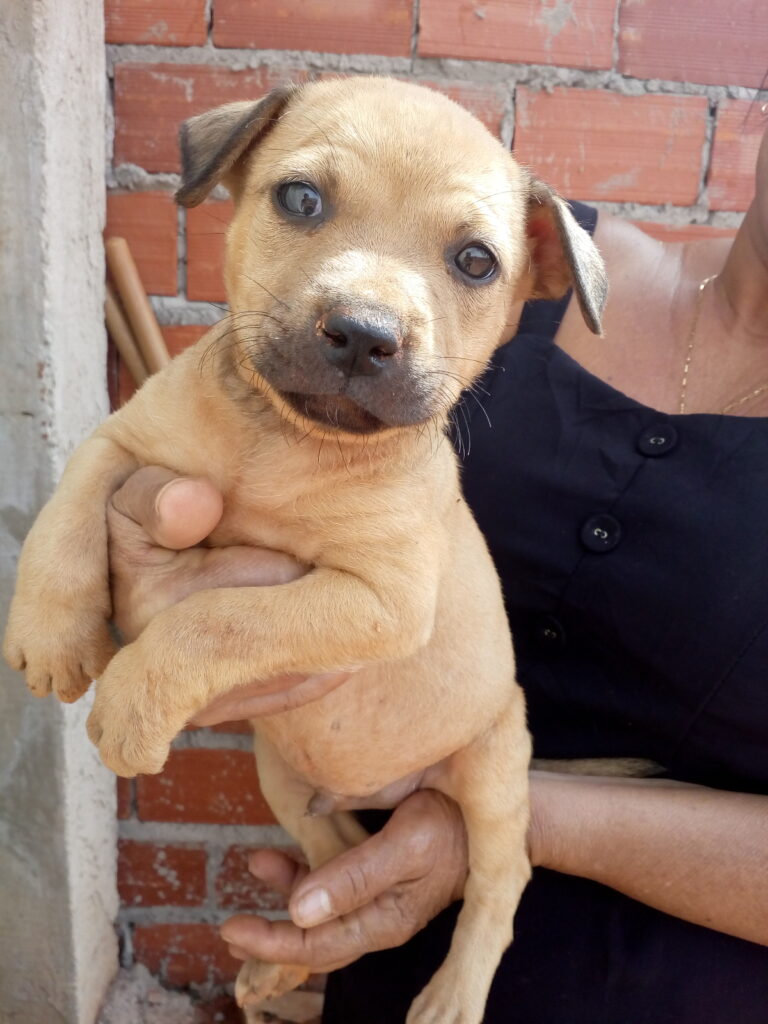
[(154, 521), (173, 512), (325, 948), (278, 869), (361, 875), (373, 897)]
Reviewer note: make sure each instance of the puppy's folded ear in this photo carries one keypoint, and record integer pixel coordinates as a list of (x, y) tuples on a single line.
[(563, 255), (213, 144)]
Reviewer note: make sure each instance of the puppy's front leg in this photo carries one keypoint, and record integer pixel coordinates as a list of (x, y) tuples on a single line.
[(58, 626), (216, 640)]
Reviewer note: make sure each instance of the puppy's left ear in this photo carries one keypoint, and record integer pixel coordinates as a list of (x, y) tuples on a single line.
[(563, 255), (213, 144)]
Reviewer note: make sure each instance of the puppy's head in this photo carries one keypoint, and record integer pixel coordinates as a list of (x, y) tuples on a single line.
[(380, 241)]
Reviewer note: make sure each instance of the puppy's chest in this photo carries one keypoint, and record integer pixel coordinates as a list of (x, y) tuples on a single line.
[(267, 511)]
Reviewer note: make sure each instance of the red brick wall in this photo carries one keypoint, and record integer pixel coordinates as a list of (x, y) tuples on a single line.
[(643, 106)]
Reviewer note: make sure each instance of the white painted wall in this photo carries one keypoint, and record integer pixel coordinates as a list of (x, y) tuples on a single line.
[(57, 816)]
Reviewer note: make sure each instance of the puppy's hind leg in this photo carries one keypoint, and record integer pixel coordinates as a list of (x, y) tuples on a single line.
[(320, 839), (489, 780)]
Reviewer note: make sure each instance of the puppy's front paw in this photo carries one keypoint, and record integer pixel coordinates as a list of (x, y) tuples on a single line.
[(60, 649), (131, 723), (258, 981)]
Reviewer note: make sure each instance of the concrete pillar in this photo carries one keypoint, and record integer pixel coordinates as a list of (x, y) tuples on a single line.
[(57, 821)]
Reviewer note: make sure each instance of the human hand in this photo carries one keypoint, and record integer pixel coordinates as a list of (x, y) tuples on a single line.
[(375, 896), (156, 522)]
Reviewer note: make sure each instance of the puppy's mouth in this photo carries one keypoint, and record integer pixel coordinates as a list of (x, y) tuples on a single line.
[(334, 411)]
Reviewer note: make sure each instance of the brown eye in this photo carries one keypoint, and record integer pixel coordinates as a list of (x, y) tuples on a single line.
[(476, 262), (300, 198)]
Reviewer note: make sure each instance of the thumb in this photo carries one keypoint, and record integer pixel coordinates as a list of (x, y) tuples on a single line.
[(355, 878), (171, 511)]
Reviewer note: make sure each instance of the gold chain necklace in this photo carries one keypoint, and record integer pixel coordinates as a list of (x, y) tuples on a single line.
[(689, 355)]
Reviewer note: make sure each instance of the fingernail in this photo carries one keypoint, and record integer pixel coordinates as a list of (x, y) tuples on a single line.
[(313, 908)]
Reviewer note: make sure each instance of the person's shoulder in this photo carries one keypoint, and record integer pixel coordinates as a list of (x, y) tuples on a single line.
[(625, 246)]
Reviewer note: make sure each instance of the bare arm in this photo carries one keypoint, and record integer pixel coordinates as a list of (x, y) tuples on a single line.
[(696, 853)]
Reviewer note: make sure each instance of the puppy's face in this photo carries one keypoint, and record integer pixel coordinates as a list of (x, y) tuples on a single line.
[(380, 240)]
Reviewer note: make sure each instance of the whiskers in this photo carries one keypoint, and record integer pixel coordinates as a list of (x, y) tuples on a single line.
[(468, 388), (244, 330)]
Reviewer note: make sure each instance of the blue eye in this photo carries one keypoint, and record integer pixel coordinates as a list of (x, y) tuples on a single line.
[(300, 198), (476, 262)]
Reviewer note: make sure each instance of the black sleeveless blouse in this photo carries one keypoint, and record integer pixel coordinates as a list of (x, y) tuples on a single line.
[(633, 552)]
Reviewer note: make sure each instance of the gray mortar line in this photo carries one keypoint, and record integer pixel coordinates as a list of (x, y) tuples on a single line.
[(109, 130), (616, 30), (674, 216), (213, 861), (125, 940), (415, 29), (507, 126), (705, 162), (173, 311), (175, 832), (205, 739), (132, 178), (480, 72), (181, 252), (187, 915)]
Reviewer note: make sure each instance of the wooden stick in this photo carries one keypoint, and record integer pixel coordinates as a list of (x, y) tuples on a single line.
[(136, 305), (122, 336)]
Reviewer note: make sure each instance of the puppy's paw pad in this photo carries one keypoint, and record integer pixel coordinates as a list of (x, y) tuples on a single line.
[(259, 981)]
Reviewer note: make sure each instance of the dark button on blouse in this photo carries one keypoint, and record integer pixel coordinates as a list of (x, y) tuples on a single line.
[(549, 632), (658, 439), (601, 533)]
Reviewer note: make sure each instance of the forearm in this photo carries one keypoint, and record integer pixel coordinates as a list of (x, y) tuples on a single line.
[(696, 853)]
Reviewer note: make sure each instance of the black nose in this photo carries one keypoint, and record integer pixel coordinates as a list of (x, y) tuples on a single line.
[(358, 345)]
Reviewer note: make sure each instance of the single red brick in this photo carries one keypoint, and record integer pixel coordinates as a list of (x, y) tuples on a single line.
[(184, 954), (147, 220), (157, 22), (151, 101), (213, 786), (176, 338), (156, 875), (577, 34), (377, 26), (603, 146), (206, 229), (683, 232), (237, 889), (124, 798), (738, 133), (694, 40)]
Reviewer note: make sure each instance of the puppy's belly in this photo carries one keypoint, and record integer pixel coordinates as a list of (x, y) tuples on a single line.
[(388, 722)]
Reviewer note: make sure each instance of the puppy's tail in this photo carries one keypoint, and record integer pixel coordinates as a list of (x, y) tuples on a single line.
[(614, 767)]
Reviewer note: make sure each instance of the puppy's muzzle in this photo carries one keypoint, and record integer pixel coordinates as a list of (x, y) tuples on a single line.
[(359, 345)]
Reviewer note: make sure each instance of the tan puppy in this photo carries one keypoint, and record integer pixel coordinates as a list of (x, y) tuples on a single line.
[(380, 239)]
